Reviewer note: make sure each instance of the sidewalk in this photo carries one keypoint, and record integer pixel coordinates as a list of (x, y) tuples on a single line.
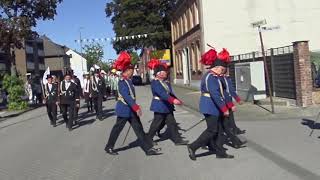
[(5, 114), (249, 111)]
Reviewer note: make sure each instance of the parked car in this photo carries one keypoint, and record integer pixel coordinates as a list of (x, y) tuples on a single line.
[(137, 80)]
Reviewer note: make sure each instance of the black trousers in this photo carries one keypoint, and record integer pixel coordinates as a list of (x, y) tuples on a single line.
[(232, 124), (89, 104), (210, 135), (68, 109), (158, 123), (137, 127), (97, 101), (227, 126), (115, 93), (76, 110), (52, 112)]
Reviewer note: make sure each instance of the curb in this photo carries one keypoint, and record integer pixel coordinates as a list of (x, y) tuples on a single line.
[(3, 118)]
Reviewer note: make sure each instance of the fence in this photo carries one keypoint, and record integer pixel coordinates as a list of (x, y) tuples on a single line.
[(280, 63)]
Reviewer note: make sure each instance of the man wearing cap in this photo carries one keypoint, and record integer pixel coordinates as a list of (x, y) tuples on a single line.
[(212, 106), (115, 84), (76, 80), (87, 92), (127, 110), (98, 91), (163, 103), (51, 92), (103, 75), (69, 95)]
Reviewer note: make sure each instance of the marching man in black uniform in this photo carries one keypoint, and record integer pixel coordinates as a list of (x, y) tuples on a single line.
[(87, 92), (127, 110), (51, 99), (76, 80), (69, 95), (163, 103), (212, 106), (98, 91)]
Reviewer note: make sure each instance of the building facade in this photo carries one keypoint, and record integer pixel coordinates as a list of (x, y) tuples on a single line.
[(197, 23), (55, 57), (187, 41), (30, 59)]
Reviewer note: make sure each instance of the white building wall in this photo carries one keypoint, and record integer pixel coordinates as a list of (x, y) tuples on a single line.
[(78, 64), (227, 23)]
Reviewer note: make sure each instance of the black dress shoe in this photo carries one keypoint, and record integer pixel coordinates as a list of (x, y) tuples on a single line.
[(153, 152), (182, 143), (154, 143), (159, 134), (205, 147), (241, 132), (111, 151), (54, 125), (225, 156), (238, 146), (192, 154)]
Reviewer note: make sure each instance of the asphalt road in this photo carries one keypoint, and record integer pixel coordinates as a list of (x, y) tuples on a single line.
[(30, 149)]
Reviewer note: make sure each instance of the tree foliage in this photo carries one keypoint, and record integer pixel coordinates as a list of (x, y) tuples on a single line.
[(93, 54), (15, 88), (18, 17), (132, 17), (134, 58)]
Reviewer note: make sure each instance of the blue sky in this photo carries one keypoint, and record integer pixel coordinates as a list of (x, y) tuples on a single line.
[(73, 14)]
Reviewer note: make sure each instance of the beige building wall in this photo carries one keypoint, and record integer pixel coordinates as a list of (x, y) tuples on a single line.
[(227, 23), (55, 64), (21, 62), (186, 46)]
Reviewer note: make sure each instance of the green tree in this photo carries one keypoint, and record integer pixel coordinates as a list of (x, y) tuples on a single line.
[(105, 66), (132, 17), (134, 58), (15, 88), (93, 54), (17, 18)]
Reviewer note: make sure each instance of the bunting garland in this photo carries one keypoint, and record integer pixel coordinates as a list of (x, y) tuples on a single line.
[(110, 39)]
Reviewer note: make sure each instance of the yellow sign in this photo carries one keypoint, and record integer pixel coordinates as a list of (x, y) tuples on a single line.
[(163, 55)]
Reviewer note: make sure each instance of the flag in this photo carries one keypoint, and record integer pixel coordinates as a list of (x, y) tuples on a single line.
[(44, 78)]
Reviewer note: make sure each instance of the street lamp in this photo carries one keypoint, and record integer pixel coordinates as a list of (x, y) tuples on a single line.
[(258, 25)]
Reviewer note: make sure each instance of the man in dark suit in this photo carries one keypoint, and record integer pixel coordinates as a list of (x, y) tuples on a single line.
[(51, 99), (69, 95), (98, 90), (76, 80), (87, 92)]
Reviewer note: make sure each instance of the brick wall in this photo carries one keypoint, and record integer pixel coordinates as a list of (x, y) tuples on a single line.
[(303, 78)]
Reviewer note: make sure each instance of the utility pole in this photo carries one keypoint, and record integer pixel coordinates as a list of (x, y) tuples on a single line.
[(81, 47), (259, 25)]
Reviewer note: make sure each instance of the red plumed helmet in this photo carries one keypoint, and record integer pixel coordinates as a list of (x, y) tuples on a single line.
[(123, 61), (224, 55), (209, 57), (153, 63)]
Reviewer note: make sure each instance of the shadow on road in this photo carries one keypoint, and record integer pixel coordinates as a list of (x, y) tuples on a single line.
[(310, 123)]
